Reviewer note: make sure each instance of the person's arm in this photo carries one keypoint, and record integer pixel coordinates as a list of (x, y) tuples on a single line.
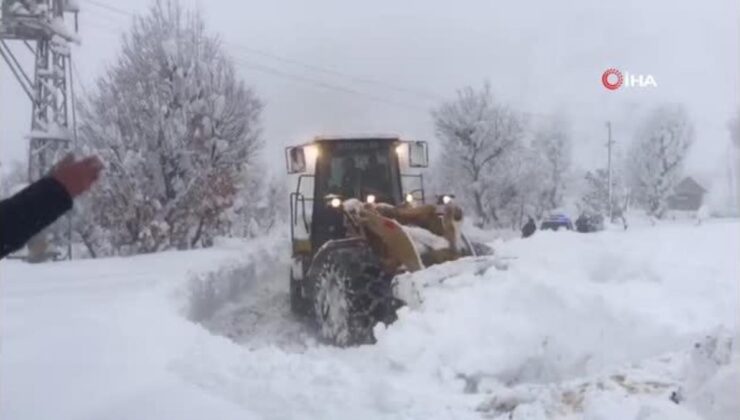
[(31, 210), (37, 206)]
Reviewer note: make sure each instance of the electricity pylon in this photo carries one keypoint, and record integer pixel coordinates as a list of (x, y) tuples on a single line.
[(42, 22)]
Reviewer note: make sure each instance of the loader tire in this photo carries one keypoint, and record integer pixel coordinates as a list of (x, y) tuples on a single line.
[(299, 305), (351, 295)]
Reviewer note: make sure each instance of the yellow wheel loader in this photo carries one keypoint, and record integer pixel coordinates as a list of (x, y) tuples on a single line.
[(358, 219)]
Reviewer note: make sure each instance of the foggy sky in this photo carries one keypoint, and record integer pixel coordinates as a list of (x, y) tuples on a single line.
[(540, 56)]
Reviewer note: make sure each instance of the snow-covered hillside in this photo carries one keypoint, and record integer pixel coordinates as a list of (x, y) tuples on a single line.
[(614, 325)]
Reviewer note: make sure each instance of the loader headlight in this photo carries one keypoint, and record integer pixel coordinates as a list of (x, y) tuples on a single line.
[(370, 198), (335, 202), (409, 198), (446, 199), (400, 149), (311, 152)]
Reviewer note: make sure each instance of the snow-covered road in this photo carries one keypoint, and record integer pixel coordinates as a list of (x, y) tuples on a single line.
[(615, 325)]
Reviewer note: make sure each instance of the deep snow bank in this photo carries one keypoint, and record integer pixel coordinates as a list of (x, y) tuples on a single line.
[(574, 303), (94, 339), (560, 325), (572, 306), (247, 300)]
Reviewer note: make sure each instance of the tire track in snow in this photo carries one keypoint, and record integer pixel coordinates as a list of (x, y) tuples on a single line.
[(248, 301)]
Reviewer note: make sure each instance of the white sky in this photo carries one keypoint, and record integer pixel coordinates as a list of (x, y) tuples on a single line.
[(541, 56)]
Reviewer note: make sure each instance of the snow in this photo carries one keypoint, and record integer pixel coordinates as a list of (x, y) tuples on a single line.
[(71, 6), (610, 325), (352, 206), (58, 27), (702, 214), (424, 239), (53, 132)]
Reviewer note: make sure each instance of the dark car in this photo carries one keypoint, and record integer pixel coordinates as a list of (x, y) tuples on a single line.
[(556, 222), (589, 222)]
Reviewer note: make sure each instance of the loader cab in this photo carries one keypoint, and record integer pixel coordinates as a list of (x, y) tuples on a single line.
[(366, 169), (357, 169)]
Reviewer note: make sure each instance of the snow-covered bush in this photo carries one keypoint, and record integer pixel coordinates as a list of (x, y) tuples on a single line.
[(177, 131)]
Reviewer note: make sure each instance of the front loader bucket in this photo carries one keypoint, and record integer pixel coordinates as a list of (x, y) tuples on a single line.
[(397, 243)]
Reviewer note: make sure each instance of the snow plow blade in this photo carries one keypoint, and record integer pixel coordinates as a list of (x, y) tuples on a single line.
[(409, 238)]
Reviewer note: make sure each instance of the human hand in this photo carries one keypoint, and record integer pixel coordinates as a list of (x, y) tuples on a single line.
[(77, 176)]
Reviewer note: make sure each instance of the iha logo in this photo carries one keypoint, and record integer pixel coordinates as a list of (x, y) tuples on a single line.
[(613, 79)]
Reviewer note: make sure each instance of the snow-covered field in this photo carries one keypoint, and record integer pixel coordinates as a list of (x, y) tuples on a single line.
[(615, 325)]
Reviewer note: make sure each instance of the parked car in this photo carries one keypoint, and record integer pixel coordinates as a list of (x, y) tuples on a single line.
[(556, 222), (589, 222)]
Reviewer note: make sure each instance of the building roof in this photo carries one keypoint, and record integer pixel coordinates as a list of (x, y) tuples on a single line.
[(689, 186)]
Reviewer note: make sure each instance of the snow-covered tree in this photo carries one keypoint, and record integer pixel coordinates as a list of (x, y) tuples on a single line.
[(657, 155), (177, 131), (478, 136), (517, 187), (552, 141)]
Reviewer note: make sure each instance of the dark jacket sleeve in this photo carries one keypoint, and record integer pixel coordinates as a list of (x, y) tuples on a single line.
[(30, 211)]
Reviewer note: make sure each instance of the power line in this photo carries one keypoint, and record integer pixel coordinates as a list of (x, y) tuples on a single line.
[(109, 7), (107, 29), (319, 83), (327, 70), (100, 20), (308, 66), (79, 79), (242, 62)]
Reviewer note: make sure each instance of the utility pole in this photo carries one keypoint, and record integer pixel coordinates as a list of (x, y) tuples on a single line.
[(42, 22), (609, 144)]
